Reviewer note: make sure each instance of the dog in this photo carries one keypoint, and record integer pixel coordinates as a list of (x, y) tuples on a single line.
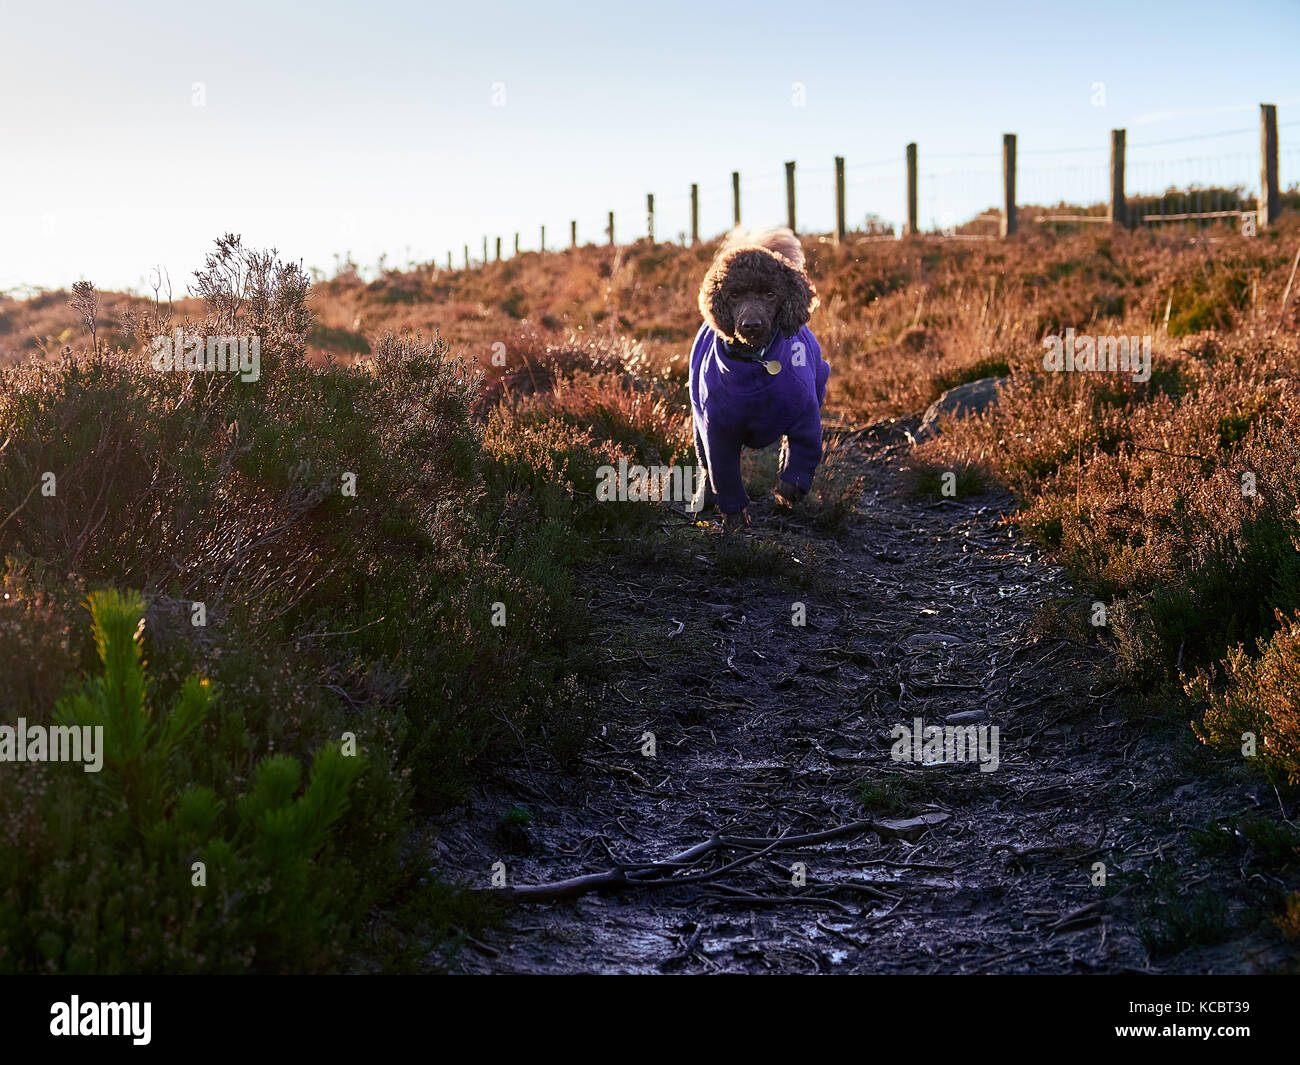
[(757, 372)]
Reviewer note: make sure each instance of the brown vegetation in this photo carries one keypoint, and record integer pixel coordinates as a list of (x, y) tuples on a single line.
[(1136, 486)]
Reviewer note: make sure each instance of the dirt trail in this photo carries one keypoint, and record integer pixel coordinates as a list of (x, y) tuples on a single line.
[(915, 609)]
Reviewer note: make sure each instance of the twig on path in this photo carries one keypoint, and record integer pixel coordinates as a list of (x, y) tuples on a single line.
[(1084, 914), (481, 947), (908, 865), (866, 889), (732, 667), (610, 767), (659, 874), (676, 959), (831, 930), (733, 894)]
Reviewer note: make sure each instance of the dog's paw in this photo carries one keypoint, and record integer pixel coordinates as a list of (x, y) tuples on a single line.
[(787, 494), (738, 520)]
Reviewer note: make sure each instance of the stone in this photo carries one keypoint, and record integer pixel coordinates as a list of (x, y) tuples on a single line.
[(909, 828), (974, 397)]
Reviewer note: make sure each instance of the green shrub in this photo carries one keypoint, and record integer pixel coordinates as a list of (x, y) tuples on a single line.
[(131, 872)]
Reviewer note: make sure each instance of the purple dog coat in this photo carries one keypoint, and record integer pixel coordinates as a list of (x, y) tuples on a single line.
[(736, 402)]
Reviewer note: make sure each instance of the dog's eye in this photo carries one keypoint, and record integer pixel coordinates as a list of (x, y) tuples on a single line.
[(769, 295)]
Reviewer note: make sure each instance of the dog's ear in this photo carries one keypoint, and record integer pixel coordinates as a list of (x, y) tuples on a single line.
[(798, 301), (715, 310)]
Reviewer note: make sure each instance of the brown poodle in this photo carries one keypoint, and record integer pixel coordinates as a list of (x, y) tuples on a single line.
[(757, 374), (757, 280)]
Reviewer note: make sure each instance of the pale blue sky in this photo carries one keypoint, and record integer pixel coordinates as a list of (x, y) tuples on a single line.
[(370, 128)]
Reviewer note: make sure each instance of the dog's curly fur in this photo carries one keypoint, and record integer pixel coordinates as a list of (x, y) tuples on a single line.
[(757, 261)]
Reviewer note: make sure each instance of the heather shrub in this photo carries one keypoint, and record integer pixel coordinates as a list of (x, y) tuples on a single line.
[(475, 500), (1175, 500), (349, 534), (1256, 696)]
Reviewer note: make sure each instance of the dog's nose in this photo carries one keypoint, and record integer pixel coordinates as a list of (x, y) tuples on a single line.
[(750, 325)]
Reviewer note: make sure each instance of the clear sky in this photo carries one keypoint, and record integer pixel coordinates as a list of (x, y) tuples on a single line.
[(377, 128)]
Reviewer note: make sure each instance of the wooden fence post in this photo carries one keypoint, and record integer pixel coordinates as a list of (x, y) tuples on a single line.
[(1270, 203), (1118, 204), (650, 216), (498, 249), (735, 197), (573, 233), (789, 196), (449, 266), (911, 190), (695, 214), (516, 242), (610, 230), (1008, 184), (839, 198), (485, 258), (542, 246), (466, 256)]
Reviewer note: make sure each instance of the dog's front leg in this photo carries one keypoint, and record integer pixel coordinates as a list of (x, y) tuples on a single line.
[(800, 454), (725, 476)]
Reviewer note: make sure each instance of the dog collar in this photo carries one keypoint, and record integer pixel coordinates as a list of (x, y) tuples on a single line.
[(756, 356)]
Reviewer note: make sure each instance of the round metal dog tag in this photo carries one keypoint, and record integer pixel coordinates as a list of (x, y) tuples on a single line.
[(772, 366)]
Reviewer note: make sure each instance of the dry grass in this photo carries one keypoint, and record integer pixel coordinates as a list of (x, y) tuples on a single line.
[(1136, 486)]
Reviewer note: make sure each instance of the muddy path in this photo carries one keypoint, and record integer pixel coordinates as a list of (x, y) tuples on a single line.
[(915, 609)]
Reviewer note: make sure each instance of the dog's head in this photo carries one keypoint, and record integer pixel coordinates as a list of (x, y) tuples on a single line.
[(757, 283)]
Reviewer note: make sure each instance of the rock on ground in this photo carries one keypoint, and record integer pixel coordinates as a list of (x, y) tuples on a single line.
[(974, 397)]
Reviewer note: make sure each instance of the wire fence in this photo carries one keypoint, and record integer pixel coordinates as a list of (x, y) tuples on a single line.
[(1162, 182)]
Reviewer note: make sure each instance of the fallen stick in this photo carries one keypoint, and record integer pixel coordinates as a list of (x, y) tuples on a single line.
[(1091, 912), (632, 876), (659, 874), (736, 895), (612, 768)]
